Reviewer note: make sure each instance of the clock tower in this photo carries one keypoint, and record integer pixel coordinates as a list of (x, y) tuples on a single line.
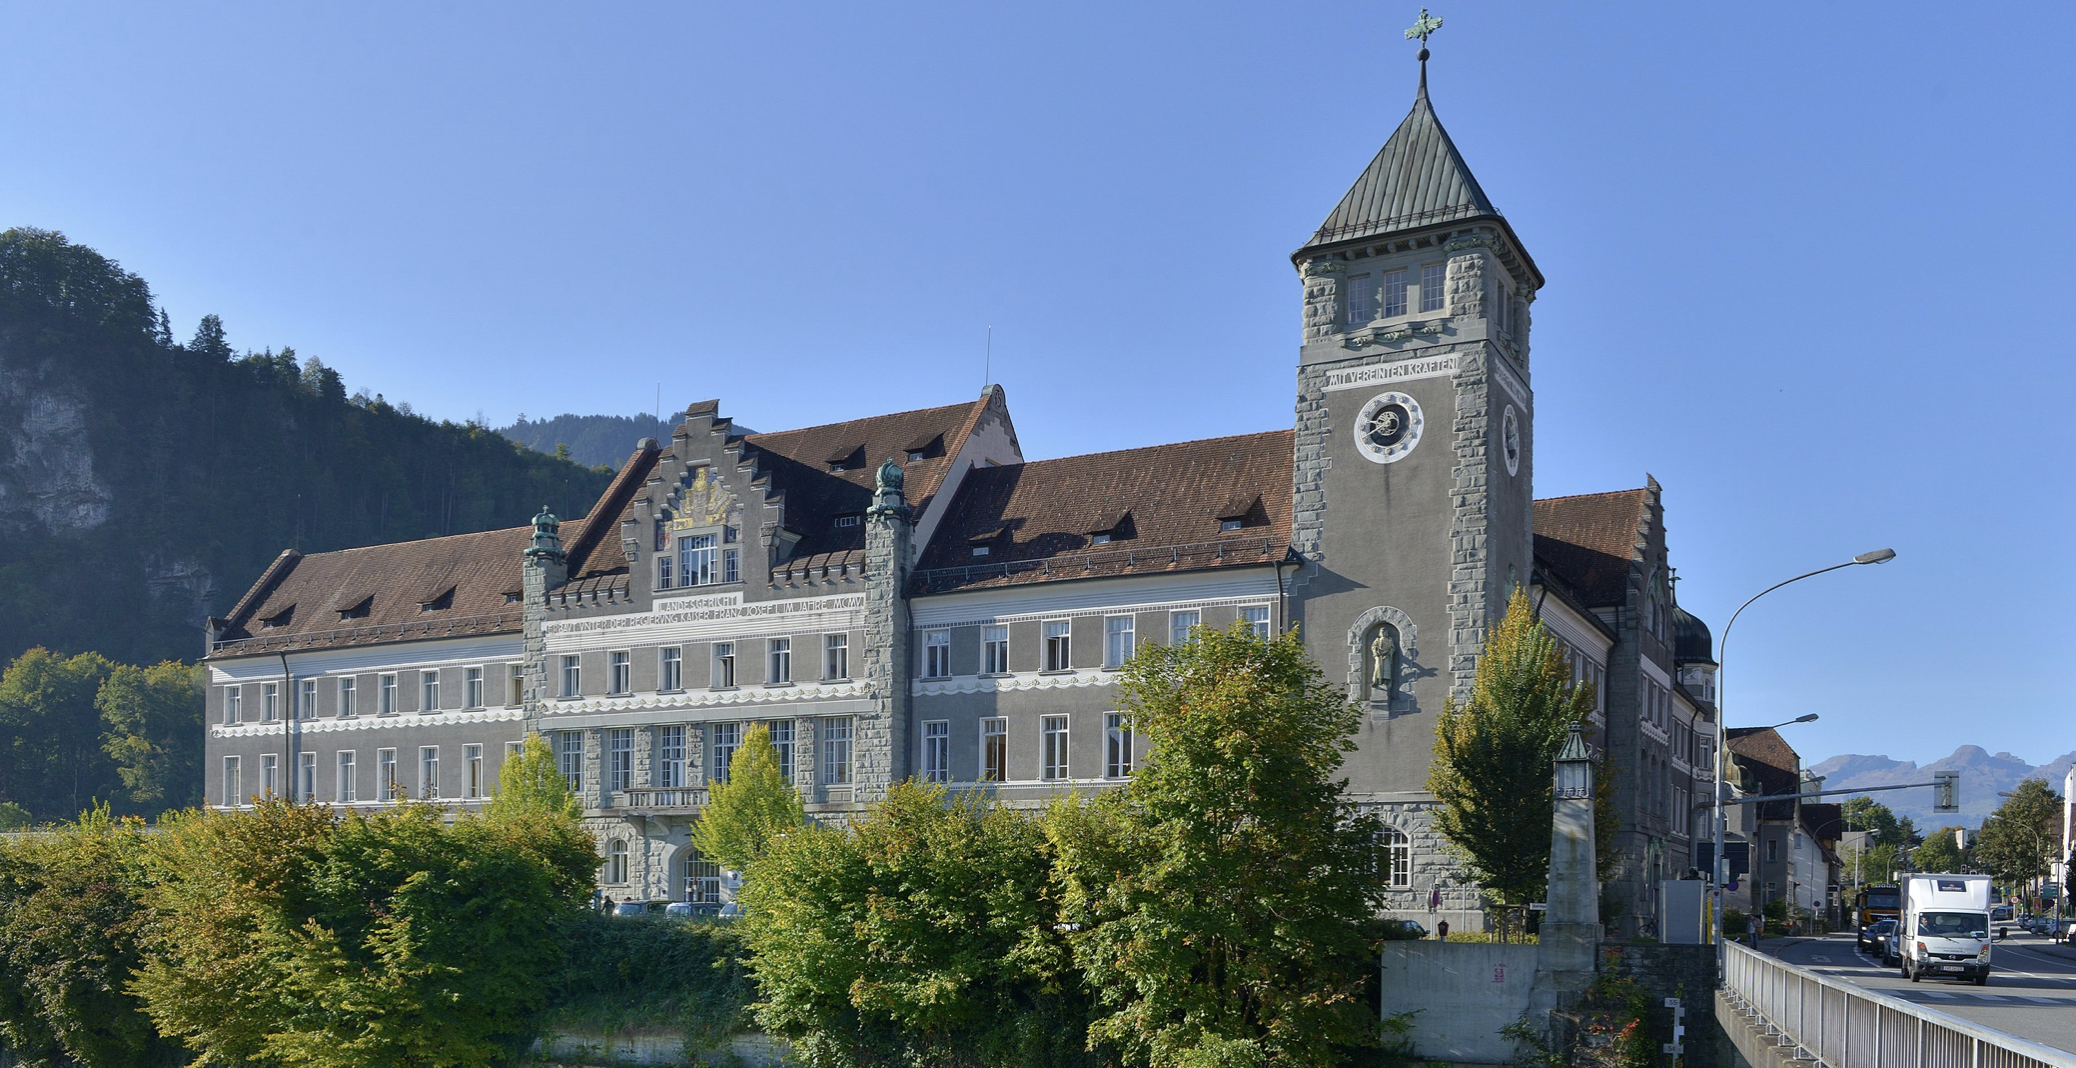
[(1414, 449)]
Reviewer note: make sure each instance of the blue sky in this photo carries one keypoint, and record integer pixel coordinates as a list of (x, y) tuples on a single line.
[(1808, 269)]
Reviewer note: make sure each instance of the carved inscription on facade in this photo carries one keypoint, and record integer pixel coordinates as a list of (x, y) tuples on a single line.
[(1402, 371)]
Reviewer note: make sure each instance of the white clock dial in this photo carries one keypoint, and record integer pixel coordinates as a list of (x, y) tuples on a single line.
[(1510, 440), (1388, 428)]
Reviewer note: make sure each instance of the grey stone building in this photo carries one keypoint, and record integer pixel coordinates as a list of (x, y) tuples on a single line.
[(906, 595)]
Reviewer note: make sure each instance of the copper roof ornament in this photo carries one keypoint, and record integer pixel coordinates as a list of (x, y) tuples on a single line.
[(887, 498), (547, 536), (1423, 28)]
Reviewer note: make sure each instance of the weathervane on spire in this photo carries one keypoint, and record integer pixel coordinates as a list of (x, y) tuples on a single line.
[(1423, 28)]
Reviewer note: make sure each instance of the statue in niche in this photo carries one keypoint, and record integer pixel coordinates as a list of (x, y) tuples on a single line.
[(1383, 673)]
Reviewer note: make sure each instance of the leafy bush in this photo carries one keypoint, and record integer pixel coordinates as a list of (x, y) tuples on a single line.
[(652, 973)]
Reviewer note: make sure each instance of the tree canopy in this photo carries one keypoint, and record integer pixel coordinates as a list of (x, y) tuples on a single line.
[(2019, 841), (1493, 756), (756, 804)]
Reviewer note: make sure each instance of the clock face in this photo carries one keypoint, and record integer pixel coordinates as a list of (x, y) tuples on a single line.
[(1388, 427), (1510, 440)]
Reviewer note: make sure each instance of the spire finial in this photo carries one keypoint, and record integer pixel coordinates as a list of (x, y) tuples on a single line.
[(1423, 28)]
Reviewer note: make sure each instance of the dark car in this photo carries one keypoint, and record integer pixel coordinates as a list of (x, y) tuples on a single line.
[(1872, 934)]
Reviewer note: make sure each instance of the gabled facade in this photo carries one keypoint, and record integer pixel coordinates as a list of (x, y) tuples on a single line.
[(906, 596)]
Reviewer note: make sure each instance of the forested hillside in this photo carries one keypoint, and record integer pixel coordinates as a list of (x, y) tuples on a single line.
[(587, 439), (144, 482)]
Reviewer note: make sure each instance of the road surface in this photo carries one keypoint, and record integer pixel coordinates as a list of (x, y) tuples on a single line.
[(2031, 991)]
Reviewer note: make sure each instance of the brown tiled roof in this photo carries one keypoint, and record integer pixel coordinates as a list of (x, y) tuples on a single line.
[(1770, 765), (798, 463), (1036, 518), (395, 579), (1589, 541), (1824, 822)]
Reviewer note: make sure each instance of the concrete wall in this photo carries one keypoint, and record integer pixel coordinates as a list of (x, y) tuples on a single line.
[(1463, 992)]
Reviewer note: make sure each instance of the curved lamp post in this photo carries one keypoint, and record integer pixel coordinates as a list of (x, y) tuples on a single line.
[(1722, 864)]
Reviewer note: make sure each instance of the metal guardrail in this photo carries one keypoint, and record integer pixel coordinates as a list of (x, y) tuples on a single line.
[(1847, 1026)]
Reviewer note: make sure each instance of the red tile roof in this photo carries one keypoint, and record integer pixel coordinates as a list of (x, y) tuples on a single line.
[(1590, 541), (1036, 520)]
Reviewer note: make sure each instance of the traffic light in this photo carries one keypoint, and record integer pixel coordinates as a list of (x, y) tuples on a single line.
[(1946, 792)]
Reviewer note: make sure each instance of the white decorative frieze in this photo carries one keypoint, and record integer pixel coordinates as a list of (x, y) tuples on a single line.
[(1398, 371)]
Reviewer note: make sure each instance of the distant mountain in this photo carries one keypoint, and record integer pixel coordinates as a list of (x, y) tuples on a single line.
[(1983, 776), (592, 439)]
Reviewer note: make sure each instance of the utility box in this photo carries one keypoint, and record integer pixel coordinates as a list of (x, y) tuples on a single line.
[(1682, 912)]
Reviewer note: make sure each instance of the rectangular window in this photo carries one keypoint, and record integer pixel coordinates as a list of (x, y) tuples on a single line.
[(1432, 295), (1398, 859), (569, 758), (724, 665), (663, 572), (620, 758), (233, 782), (306, 699), (428, 691), (472, 756), (619, 676), (836, 751), (778, 661), (1120, 640), (670, 754), (428, 771), (1180, 624), (385, 695), (345, 790), (727, 739), (270, 701), (231, 694), (270, 769), (1117, 746), (670, 669), (836, 656), (994, 650), (937, 654), (346, 696), (572, 676), (782, 746), (994, 749), (306, 777), (1053, 764), (472, 687), (385, 775), (936, 750), (1772, 850), (1394, 293), (1361, 303), (731, 565), (1059, 645), (1257, 619), (696, 560), (515, 685)]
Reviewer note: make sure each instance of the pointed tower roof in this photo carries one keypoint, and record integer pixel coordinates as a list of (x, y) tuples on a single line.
[(1417, 179)]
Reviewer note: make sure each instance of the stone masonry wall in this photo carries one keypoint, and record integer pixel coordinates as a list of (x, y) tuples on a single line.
[(879, 743), (1469, 558), (1674, 971)]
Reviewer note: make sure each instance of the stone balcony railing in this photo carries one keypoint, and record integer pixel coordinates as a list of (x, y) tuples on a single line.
[(659, 800)]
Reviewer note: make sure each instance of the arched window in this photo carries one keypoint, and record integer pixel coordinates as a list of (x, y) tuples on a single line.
[(702, 879), (1398, 858), (616, 861)]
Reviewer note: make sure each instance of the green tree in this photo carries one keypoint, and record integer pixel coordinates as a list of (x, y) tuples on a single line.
[(529, 784), (50, 739), (72, 925), (209, 342), (755, 804), (1493, 756), (2020, 839), (925, 933), (1222, 902), (151, 723), (288, 936), (1940, 852)]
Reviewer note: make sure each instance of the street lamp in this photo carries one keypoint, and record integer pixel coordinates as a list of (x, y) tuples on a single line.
[(1722, 865)]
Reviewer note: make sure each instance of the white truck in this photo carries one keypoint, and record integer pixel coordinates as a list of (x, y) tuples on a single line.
[(1944, 929)]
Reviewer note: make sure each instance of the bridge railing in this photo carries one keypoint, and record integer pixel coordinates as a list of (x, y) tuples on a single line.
[(1847, 1026)]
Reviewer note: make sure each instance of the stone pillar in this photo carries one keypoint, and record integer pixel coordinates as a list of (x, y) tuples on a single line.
[(545, 569), (879, 751), (1571, 932)]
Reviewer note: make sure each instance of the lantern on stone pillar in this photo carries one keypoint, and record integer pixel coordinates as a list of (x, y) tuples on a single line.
[(1574, 766)]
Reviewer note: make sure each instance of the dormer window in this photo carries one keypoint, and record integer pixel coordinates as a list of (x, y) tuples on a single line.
[(848, 460), (980, 550), (513, 596), (359, 609), (846, 521), (278, 619), (1106, 527), (924, 446), (915, 455), (1099, 539), (1240, 510), (438, 602), (1231, 524)]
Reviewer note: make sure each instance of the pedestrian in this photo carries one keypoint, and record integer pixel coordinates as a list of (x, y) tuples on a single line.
[(1441, 931)]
